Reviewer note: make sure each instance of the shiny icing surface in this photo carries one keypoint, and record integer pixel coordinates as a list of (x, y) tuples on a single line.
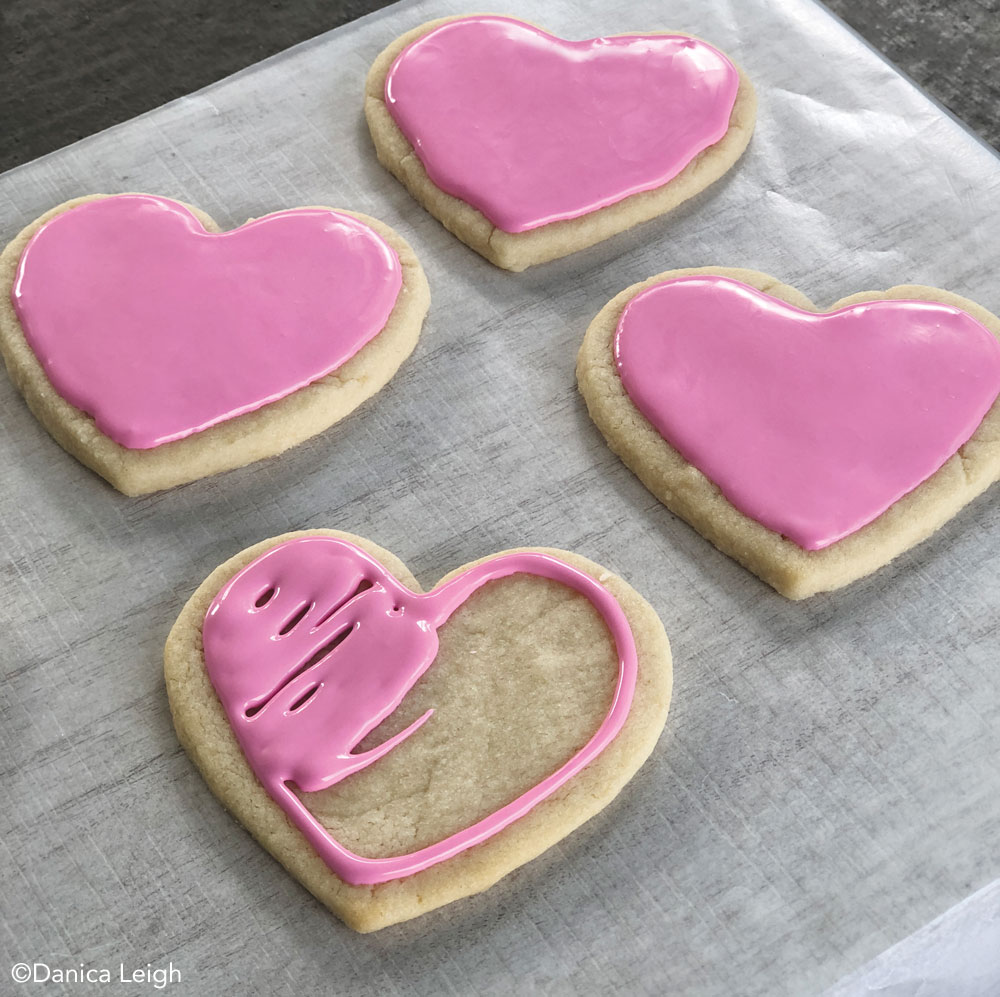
[(159, 329), (313, 644), (811, 424), (530, 129)]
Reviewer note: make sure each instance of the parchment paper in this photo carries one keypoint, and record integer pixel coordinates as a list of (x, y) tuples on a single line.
[(828, 780), (957, 955)]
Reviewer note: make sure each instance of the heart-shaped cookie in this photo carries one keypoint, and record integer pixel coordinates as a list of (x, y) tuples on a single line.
[(394, 749), (157, 349), (811, 446), (528, 147)]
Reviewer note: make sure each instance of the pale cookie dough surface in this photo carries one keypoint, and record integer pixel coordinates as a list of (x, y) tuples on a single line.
[(523, 677), (519, 250), (263, 433), (794, 572)]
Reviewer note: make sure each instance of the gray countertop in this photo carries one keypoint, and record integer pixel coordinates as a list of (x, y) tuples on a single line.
[(69, 68), (951, 48)]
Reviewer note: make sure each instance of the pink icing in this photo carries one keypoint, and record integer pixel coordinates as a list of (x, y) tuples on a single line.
[(530, 129), (314, 643), (159, 329), (811, 424)]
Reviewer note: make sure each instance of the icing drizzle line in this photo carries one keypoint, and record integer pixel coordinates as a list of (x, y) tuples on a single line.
[(313, 644)]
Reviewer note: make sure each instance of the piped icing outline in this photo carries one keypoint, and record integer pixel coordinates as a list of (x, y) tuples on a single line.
[(285, 645)]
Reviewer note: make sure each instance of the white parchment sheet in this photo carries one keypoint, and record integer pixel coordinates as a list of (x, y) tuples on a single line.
[(956, 955), (828, 780)]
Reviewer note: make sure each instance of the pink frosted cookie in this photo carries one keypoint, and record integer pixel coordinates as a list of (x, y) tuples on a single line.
[(811, 446), (157, 349), (397, 749), (529, 147)]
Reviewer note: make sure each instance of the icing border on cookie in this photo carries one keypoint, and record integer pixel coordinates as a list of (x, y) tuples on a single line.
[(275, 672), (159, 329), (672, 334), (519, 172)]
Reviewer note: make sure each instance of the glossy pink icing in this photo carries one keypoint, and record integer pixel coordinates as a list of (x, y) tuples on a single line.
[(813, 424), (530, 129), (159, 329), (298, 711)]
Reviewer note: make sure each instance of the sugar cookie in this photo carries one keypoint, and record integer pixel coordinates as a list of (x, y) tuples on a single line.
[(528, 147), (157, 349), (396, 750), (811, 446)]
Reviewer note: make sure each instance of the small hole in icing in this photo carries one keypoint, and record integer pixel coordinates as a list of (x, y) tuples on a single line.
[(303, 699), (296, 619), (264, 598), (363, 586)]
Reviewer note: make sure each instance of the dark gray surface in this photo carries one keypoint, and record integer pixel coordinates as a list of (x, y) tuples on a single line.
[(950, 47), (827, 782), (69, 68)]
